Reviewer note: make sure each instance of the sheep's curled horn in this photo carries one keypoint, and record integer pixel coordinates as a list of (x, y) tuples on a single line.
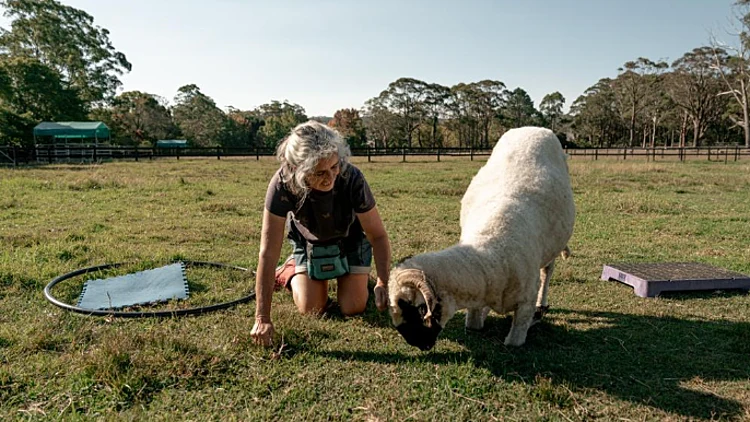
[(418, 280)]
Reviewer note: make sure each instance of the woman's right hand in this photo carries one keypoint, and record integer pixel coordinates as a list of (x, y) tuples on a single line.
[(262, 331)]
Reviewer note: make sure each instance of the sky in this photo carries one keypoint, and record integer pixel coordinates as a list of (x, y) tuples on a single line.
[(326, 55)]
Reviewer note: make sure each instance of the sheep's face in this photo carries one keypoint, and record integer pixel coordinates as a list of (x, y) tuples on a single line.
[(409, 321), (408, 308)]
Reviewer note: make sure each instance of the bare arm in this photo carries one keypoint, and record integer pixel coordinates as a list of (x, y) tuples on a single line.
[(381, 250), (271, 238)]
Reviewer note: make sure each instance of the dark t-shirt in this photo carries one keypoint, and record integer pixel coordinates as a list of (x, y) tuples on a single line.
[(323, 216)]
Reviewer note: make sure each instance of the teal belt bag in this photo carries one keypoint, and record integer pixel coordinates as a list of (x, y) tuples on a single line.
[(326, 262)]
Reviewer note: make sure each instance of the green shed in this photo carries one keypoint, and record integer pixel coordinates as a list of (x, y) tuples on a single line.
[(172, 143), (68, 131)]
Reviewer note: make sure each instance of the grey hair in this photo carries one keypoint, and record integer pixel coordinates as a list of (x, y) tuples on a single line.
[(301, 151)]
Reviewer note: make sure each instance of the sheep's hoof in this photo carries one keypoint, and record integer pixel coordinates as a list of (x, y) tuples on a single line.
[(539, 314), (510, 341)]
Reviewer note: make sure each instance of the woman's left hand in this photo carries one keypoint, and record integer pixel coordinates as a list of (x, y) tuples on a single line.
[(381, 295)]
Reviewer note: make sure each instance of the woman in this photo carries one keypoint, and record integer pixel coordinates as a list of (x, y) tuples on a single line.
[(335, 229)]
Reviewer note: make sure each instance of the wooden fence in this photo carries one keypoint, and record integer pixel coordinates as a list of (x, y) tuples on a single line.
[(97, 153)]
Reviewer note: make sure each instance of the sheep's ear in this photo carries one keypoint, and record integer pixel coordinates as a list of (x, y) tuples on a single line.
[(402, 260)]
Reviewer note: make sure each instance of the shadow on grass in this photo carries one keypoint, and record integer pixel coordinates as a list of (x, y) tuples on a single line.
[(642, 359), (704, 294)]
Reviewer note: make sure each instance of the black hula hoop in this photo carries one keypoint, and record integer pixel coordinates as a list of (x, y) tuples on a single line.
[(162, 314)]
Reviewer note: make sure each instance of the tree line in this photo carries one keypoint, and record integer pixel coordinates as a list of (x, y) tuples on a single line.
[(57, 65)]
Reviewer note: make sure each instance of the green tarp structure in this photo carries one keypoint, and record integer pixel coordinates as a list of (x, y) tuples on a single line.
[(171, 143), (72, 130)]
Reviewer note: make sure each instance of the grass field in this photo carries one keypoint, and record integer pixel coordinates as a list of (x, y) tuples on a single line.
[(602, 353)]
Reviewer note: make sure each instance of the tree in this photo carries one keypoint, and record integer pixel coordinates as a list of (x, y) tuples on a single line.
[(405, 99), (142, 117), (197, 116), (382, 125), (490, 97), (636, 79), (435, 106), (279, 118), (657, 109), (243, 128), (65, 39), (31, 92), (519, 110), (474, 108), (350, 125), (595, 118), (551, 108), (694, 85), (734, 68), (462, 110)]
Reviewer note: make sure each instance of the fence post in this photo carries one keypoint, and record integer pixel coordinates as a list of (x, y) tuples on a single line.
[(177, 153), (49, 154), (709, 153), (369, 159), (403, 153), (15, 156), (257, 153), (135, 152), (624, 154), (438, 155), (93, 157), (596, 154), (218, 152), (471, 152)]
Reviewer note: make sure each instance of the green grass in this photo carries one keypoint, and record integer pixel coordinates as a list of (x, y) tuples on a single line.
[(602, 354)]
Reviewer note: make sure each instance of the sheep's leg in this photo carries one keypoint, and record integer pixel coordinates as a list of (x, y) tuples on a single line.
[(475, 318), (545, 274), (521, 322)]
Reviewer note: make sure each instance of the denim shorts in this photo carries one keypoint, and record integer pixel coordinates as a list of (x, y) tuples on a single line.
[(355, 247)]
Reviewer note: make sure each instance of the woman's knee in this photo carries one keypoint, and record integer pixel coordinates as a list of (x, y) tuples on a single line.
[(310, 296), (352, 294), (311, 308), (353, 307)]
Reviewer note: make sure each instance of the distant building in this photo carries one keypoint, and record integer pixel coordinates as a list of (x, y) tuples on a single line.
[(64, 141)]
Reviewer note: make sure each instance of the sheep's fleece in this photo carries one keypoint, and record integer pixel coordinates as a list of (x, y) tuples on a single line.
[(517, 216)]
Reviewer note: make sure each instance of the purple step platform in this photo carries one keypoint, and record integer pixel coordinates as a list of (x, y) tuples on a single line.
[(650, 280)]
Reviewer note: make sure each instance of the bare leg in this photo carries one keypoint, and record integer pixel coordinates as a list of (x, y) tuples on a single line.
[(352, 293), (310, 296)]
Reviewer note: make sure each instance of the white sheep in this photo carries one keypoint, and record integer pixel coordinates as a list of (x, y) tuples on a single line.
[(517, 216)]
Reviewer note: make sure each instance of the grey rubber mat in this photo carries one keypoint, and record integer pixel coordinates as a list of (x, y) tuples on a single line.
[(652, 279), (143, 287)]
